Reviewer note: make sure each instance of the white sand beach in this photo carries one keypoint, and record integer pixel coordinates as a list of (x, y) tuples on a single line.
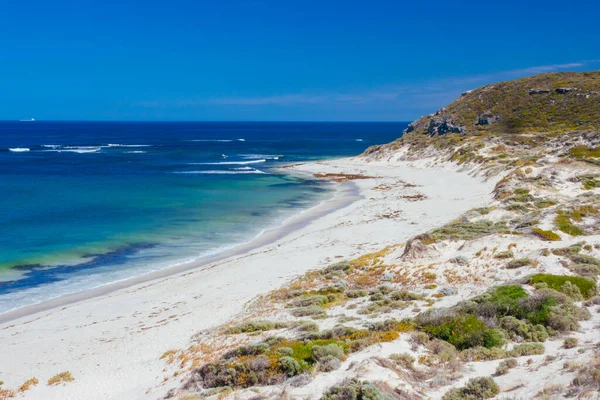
[(111, 339)]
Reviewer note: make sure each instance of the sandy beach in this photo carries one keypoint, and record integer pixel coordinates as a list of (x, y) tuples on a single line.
[(111, 338)]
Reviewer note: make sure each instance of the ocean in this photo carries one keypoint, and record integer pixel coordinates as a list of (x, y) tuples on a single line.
[(84, 204)]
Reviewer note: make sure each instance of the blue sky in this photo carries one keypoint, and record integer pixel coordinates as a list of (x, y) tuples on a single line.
[(276, 60)]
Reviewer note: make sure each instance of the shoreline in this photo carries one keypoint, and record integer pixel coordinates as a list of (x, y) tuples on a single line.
[(342, 196), (115, 340)]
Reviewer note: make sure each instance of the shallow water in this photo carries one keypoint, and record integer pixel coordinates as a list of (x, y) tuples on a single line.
[(86, 204)]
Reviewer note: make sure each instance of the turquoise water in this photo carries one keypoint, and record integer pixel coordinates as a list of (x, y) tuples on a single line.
[(86, 204)]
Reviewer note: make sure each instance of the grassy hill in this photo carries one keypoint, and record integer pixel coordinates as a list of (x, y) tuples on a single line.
[(553, 102)]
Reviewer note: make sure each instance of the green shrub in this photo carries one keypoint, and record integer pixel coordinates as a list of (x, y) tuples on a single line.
[(355, 390), (572, 291), (405, 296), (247, 350), (475, 389), (464, 331), (316, 300), (319, 353), (254, 326), (466, 230), (353, 294), (521, 262), (556, 282), (504, 254), (544, 203), (289, 366), (505, 366), (340, 266), (306, 326), (404, 360), (522, 329), (310, 311), (527, 349), (546, 235), (285, 351), (570, 343), (498, 302), (563, 223)]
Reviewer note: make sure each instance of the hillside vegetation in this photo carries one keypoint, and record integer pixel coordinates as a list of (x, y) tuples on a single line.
[(550, 102)]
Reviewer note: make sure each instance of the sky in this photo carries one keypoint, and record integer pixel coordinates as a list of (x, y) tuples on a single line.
[(277, 60)]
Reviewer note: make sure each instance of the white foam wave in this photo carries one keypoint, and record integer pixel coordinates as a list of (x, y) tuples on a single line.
[(77, 149), (52, 146), (231, 162), (244, 169), (19, 149), (128, 145), (359, 140), (211, 140), (136, 152), (241, 140), (221, 172), (261, 156)]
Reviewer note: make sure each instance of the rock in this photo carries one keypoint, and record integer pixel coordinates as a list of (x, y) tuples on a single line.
[(442, 126), (410, 128), (466, 93), (448, 291), (387, 276), (539, 91), (564, 90), (487, 119), (341, 284), (416, 248), (460, 260)]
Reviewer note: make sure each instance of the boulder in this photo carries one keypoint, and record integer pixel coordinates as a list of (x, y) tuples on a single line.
[(487, 119), (442, 126), (539, 91), (564, 90)]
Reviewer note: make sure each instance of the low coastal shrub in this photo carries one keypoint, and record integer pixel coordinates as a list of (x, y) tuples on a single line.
[(63, 377), (484, 354), (570, 343), (563, 223), (403, 360), (462, 331), (310, 311), (523, 330), (588, 376), (354, 389), (255, 326), (504, 254), (356, 293), (518, 263), (546, 235), (505, 366), (28, 384), (467, 230), (475, 389), (405, 296), (586, 286)]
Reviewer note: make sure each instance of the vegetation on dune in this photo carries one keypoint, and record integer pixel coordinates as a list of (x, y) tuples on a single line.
[(354, 389), (476, 388), (586, 286), (63, 378), (546, 235)]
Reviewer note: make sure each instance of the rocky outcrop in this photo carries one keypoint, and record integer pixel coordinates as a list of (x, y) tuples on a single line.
[(443, 125), (539, 91), (487, 119), (564, 90)]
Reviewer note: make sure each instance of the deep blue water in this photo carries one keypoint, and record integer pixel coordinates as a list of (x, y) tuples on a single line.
[(85, 203)]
